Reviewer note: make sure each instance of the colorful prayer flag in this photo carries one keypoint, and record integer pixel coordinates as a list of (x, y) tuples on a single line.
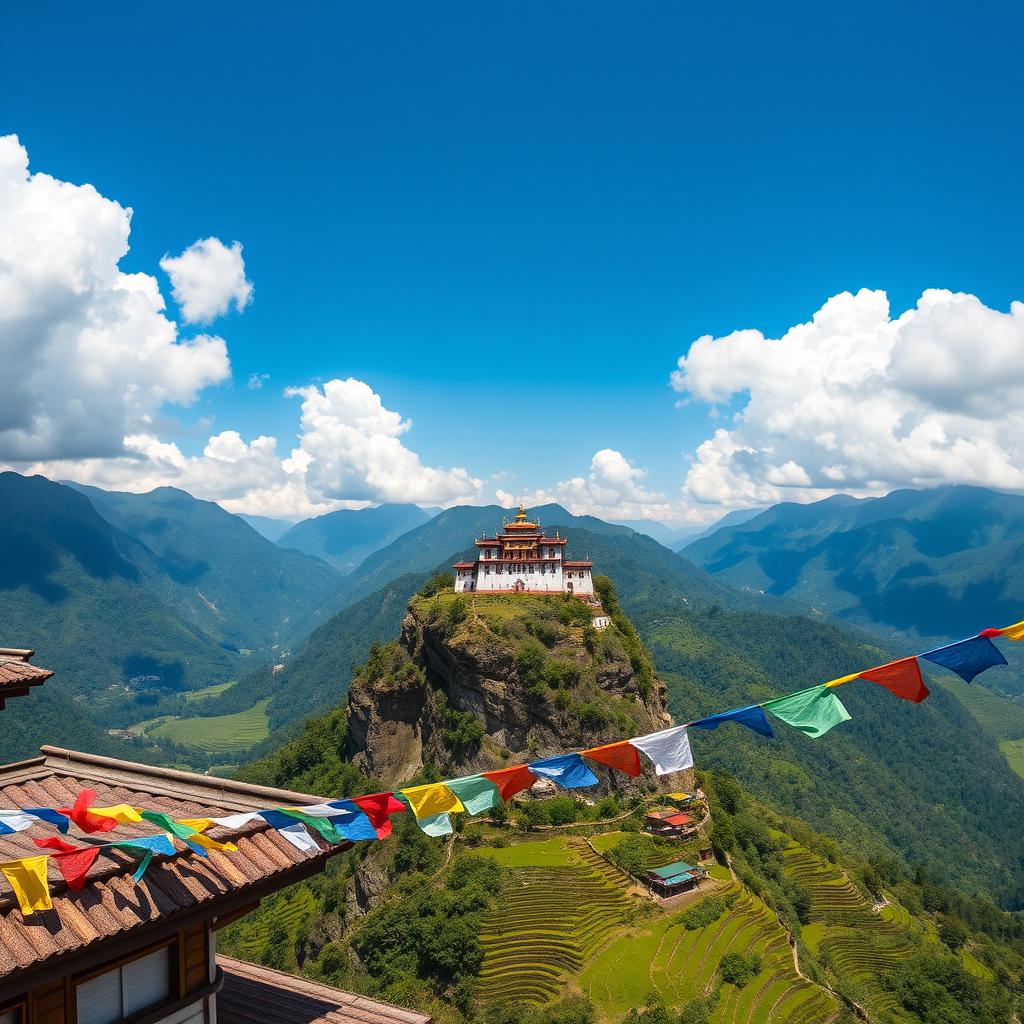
[(1014, 632), (566, 770), (669, 749), (297, 835), (378, 806), (119, 812), (751, 716), (15, 821), (511, 780), (901, 677), (73, 862), (622, 755), (27, 877), (967, 658), (812, 711), (476, 793), (433, 798), (83, 817), (436, 825), (48, 814)]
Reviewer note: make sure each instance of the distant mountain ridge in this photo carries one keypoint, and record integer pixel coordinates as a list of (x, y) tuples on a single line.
[(267, 526), (216, 570), (924, 565), (345, 538)]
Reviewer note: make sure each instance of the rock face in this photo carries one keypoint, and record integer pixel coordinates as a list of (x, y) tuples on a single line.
[(469, 686)]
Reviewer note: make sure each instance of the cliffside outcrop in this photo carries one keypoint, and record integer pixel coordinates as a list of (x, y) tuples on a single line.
[(477, 682)]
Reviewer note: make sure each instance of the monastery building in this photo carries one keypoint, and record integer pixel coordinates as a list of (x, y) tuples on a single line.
[(521, 558)]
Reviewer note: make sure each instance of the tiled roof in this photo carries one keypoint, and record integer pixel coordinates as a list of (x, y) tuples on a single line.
[(16, 674), (111, 902), (259, 995)]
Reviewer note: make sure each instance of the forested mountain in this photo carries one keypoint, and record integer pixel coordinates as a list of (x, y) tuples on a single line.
[(78, 590), (215, 570), (671, 536), (734, 518), (346, 537), (922, 565)]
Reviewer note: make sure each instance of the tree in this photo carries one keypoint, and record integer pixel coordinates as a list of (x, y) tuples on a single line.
[(953, 933)]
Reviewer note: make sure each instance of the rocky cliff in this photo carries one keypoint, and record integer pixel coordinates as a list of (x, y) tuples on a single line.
[(481, 681)]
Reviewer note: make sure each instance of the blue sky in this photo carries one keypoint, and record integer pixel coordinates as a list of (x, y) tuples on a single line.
[(510, 222)]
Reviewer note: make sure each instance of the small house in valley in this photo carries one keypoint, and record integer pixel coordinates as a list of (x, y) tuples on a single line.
[(675, 878), (668, 823)]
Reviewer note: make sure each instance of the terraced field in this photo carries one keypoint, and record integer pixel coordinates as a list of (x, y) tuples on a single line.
[(248, 937), (680, 964), (219, 734), (551, 917), (859, 945)]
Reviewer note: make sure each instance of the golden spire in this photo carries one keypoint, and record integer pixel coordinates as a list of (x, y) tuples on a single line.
[(521, 514)]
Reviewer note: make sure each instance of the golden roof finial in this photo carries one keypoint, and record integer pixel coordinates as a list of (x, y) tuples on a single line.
[(521, 514)]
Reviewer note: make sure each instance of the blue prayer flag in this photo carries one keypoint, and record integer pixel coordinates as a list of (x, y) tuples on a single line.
[(752, 716), (355, 829), (567, 770), (50, 815), (967, 658), (277, 819)]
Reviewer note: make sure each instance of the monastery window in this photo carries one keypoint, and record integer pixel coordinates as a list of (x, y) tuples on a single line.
[(126, 990), (487, 570), (13, 1014)]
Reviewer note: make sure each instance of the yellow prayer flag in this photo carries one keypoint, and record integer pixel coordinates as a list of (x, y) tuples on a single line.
[(843, 679), (210, 844), (28, 880), (435, 798), (199, 824), (119, 812), (1014, 632)]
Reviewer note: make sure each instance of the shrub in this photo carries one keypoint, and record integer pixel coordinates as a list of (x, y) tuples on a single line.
[(562, 810), (736, 969), (595, 715), (438, 584), (457, 612), (530, 663)]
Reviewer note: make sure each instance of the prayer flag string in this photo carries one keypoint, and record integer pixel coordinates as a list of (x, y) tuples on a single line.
[(813, 711)]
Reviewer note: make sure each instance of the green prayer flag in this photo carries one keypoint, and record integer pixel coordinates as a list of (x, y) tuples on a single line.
[(168, 824), (812, 711), (476, 793), (322, 825)]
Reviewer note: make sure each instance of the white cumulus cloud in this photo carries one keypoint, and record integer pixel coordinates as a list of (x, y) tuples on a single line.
[(352, 443), (857, 401), (613, 489), (87, 350), (207, 279)]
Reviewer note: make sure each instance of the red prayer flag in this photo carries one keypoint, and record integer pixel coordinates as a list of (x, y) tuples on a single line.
[(73, 862), (991, 632), (377, 807), (622, 755), (511, 780), (900, 677), (84, 818), (53, 843)]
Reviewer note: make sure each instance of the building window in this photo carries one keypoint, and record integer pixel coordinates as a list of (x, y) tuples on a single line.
[(125, 990), (13, 1014), (487, 570)]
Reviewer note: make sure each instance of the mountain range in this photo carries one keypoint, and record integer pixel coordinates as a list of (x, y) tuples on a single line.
[(345, 538), (920, 566)]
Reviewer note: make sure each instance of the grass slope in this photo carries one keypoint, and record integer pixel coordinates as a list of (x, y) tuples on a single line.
[(220, 734)]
